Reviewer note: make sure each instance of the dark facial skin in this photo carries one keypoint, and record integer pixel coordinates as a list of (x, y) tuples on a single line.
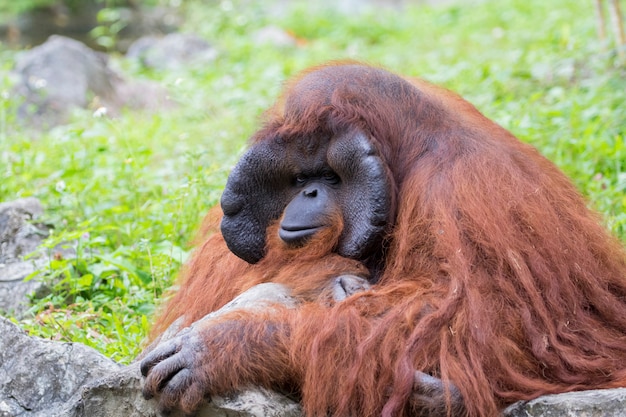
[(310, 209), (301, 182)]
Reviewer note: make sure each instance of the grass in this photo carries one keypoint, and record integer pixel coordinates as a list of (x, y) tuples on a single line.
[(129, 192)]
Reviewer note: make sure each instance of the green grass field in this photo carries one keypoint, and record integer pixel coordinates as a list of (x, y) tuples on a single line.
[(132, 190)]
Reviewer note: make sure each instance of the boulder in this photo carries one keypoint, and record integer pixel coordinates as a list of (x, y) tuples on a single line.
[(63, 74), (596, 403), (19, 236), (39, 376), (172, 52)]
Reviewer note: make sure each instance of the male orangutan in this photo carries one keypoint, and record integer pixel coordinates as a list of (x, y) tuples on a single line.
[(487, 273)]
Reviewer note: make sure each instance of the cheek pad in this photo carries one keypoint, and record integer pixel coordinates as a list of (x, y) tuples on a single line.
[(254, 196), (366, 190)]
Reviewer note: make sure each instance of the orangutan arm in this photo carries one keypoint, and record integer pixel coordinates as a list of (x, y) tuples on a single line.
[(243, 348), (217, 357)]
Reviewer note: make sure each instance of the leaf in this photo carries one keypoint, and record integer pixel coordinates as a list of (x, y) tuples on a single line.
[(145, 277), (85, 281), (174, 252), (99, 268)]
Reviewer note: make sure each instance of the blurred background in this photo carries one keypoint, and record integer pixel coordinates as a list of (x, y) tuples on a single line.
[(120, 120)]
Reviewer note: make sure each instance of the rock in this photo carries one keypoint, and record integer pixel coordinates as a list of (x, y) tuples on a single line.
[(63, 74), (116, 394), (58, 76), (14, 291), (119, 394), (19, 236), (596, 403), (40, 375), (254, 403), (172, 52)]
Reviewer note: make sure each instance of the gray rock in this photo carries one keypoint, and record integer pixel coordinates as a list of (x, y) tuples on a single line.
[(254, 403), (15, 291), (596, 403), (116, 394), (172, 52), (19, 236), (40, 375), (58, 75), (63, 74)]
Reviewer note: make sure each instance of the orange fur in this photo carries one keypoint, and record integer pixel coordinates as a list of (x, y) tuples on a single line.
[(497, 277), (307, 271)]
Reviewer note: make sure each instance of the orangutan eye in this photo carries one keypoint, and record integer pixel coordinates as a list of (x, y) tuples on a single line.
[(301, 179), (331, 178)]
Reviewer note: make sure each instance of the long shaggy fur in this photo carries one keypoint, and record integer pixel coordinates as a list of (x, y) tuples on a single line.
[(496, 275)]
